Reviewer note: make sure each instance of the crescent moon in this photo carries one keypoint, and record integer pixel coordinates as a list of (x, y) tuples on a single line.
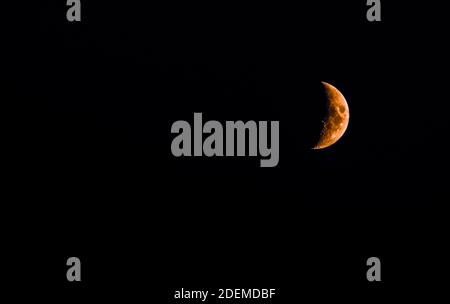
[(336, 122)]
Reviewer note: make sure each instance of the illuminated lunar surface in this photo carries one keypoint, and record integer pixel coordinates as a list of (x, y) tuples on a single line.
[(336, 121)]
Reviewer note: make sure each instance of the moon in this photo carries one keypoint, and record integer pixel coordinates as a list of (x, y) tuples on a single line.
[(336, 121)]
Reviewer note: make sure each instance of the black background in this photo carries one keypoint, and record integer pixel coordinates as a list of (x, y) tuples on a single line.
[(92, 176)]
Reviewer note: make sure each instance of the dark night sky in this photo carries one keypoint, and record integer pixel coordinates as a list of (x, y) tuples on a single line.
[(94, 102), (129, 74)]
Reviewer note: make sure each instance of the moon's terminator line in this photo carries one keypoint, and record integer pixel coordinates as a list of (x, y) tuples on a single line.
[(336, 121)]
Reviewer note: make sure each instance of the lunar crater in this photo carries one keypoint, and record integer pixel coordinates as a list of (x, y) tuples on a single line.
[(336, 122)]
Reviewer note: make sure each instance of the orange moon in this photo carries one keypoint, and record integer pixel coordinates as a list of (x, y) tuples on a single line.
[(336, 121)]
